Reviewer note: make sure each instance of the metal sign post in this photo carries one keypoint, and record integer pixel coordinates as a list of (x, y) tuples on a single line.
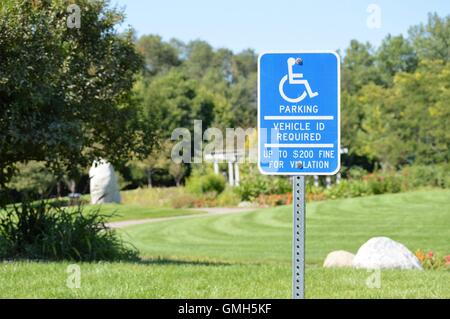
[(298, 248), (299, 129)]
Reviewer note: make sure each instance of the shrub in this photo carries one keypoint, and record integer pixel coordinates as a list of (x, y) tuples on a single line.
[(45, 232), (314, 193), (205, 200), (228, 198), (274, 200), (417, 176), (384, 183), (431, 260), (3, 247), (252, 186), (152, 197), (348, 188), (356, 172), (278, 186), (33, 178), (201, 184), (183, 200), (189, 200), (393, 183)]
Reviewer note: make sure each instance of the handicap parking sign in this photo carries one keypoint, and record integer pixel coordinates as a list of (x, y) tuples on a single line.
[(299, 113)]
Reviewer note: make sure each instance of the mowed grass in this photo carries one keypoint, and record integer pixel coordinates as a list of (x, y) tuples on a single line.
[(122, 212), (117, 212), (165, 279), (248, 255), (420, 220)]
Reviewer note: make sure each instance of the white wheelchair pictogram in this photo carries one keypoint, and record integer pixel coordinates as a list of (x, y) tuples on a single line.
[(295, 78)]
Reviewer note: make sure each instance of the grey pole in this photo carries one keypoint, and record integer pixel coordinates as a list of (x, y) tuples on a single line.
[(299, 238)]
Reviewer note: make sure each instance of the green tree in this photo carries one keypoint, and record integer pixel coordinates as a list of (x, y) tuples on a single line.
[(395, 55), (178, 172), (358, 68), (243, 92), (33, 178), (381, 135), (159, 56), (431, 40), (199, 55), (175, 101), (65, 93), (408, 123), (424, 97)]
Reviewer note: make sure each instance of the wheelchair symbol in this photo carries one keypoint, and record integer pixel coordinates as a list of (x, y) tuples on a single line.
[(295, 78)]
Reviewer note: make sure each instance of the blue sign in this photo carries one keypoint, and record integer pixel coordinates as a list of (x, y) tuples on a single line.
[(299, 113)]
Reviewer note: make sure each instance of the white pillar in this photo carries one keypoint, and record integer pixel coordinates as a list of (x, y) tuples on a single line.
[(328, 182), (338, 178), (316, 181), (216, 168), (237, 176), (230, 173)]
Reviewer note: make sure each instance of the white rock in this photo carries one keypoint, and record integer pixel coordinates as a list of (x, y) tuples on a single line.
[(247, 205), (385, 253), (338, 259), (103, 183)]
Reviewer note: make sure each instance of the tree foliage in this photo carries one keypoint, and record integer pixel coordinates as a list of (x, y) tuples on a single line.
[(72, 95), (65, 93), (395, 99)]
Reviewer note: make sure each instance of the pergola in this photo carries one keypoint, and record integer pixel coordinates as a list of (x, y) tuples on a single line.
[(328, 178), (233, 159)]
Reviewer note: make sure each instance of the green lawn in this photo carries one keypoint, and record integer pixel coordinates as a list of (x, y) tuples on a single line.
[(124, 212), (136, 212), (203, 280), (248, 255), (420, 220)]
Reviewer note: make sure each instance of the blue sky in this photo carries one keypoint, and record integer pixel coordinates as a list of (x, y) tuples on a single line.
[(278, 24)]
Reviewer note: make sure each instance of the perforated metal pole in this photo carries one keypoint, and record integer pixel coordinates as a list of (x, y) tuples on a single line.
[(299, 238)]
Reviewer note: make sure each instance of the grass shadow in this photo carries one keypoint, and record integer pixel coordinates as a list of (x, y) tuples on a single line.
[(179, 262)]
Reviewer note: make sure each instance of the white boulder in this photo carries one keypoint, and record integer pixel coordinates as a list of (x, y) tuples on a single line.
[(339, 259), (385, 253), (103, 183), (247, 205)]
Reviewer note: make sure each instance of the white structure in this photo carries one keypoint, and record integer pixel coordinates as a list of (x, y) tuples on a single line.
[(339, 259), (232, 158), (385, 253), (230, 173), (328, 181), (316, 181), (237, 174), (103, 183)]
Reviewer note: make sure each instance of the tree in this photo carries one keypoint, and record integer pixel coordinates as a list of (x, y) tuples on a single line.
[(159, 56), (408, 122), (381, 137), (395, 55), (149, 165), (243, 92), (424, 97), (199, 57), (431, 40), (178, 172), (33, 178), (174, 100), (65, 93), (358, 67)]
